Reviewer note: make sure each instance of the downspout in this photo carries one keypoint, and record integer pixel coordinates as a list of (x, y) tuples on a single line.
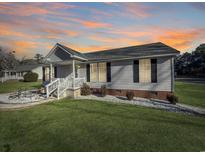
[(172, 75), (73, 74)]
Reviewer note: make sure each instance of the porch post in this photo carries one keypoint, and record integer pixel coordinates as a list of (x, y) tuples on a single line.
[(50, 74), (73, 74)]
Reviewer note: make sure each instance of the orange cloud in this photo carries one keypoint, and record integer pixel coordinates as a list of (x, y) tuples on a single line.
[(25, 44), (28, 9), (123, 41), (22, 9), (71, 33), (181, 39), (89, 48), (133, 34), (136, 9), (54, 32), (93, 24), (6, 30)]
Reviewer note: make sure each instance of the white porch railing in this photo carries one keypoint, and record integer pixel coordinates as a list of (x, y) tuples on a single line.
[(51, 87), (79, 82), (62, 84)]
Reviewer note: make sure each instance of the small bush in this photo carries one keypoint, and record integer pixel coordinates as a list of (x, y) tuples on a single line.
[(85, 89), (130, 95), (103, 90), (172, 98), (30, 77)]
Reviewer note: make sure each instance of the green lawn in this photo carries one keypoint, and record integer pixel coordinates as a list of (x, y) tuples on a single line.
[(76, 125), (14, 85), (190, 93)]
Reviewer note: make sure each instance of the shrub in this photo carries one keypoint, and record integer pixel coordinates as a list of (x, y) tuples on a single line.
[(85, 89), (30, 77), (103, 90), (172, 98), (130, 95)]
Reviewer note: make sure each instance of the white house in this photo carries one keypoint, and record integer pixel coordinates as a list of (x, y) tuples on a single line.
[(147, 70)]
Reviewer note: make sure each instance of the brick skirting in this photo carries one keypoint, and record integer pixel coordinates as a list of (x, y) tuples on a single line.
[(137, 93)]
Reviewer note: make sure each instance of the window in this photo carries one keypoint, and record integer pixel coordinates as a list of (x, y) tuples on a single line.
[(102, 72), (93, 72), (144, 70), (98, 72)]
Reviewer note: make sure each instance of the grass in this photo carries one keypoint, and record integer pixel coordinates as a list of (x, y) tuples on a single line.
[(14, 85), (76, 125), (190, 93)]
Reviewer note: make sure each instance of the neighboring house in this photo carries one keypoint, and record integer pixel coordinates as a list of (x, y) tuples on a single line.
[(21, 70), (147, 70)]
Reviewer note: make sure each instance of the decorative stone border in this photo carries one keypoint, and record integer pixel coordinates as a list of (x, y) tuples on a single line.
[(152, 103)]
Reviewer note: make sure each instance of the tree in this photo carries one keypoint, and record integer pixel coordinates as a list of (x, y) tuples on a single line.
[(39, 57), (191, 63), (7, 59)]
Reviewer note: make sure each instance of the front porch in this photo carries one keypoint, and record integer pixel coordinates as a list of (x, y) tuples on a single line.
[(62, 78)]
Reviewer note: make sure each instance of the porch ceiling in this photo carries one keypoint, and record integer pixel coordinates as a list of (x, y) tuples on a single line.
[(66, 62)]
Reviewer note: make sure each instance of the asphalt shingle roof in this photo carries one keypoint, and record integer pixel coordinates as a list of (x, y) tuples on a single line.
[(22, 68), (152, 49)]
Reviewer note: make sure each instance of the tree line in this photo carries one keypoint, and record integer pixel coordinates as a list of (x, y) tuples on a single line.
[(191, 64)]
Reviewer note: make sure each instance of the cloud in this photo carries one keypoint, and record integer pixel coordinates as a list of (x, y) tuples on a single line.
[(56, 32), (133, 34), (94, 24), (88, 48), (22, 9), (25, 44), (111, 42), (137, 9), (29, 9), (181, 39)]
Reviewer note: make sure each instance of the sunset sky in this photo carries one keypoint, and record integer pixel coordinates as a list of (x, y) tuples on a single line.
[(30, 28)]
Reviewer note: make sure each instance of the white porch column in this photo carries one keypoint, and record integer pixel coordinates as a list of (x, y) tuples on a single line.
[(50, 73), (73, 74)]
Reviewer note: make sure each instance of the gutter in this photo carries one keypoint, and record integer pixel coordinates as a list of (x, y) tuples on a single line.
[(130, 58)]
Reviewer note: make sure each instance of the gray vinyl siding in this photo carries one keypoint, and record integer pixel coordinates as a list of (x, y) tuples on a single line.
[(122, 76), (59, 55), (64, 71)]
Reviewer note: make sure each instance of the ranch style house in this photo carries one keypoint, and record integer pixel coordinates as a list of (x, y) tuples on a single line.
[(147, 70)]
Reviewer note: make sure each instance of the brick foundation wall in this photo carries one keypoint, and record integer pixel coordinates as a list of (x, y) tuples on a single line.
[(137, 93)]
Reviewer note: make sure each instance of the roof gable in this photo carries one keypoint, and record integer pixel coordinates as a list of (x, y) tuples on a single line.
[(60, 53)]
